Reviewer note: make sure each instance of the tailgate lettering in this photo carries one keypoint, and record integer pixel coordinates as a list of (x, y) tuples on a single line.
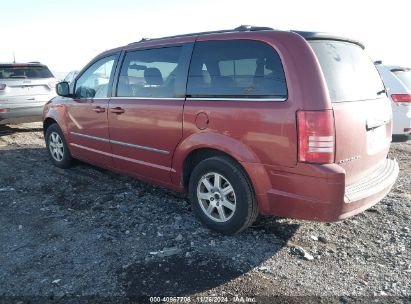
[(343, 161)]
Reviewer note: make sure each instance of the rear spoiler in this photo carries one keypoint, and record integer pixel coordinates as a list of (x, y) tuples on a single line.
[(327, 36)]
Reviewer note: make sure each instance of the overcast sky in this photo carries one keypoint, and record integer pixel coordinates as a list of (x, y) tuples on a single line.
[(66, 35)]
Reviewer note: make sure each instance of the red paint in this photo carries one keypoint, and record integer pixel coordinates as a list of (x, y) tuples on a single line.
[(150, 123), (261, 136), (87, 117)]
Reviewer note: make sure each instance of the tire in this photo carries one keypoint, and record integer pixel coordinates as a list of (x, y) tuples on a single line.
[(219, 207), (57, 147)]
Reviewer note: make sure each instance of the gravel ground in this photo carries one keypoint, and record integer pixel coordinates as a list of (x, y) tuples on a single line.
[(87, 232)]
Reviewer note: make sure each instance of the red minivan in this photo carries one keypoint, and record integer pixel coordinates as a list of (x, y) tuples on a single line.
[(247, 121)]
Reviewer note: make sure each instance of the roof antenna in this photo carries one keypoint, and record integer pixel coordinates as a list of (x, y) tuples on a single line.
[(14, 57)]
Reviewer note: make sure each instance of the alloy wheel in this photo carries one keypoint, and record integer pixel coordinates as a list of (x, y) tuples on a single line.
[(216, 197), (56, 146)]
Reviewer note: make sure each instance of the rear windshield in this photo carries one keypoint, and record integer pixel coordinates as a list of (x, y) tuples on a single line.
[(349, 72), (405, 77), (19, 72)]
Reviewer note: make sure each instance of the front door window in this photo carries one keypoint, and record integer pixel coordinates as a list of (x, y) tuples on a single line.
[(93, 83)]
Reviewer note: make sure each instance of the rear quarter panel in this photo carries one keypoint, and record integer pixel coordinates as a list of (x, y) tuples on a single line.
[(266, 129)]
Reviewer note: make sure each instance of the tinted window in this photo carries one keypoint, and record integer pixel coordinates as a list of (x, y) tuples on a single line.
[(349, 72), (237, 68), (93, 83), (24, 72), (404, 76), (149, 73)]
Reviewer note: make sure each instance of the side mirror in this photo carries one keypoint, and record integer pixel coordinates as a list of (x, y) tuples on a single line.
[(63, 89)]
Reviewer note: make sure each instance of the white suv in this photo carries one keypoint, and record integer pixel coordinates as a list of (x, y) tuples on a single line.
[(24, 90), (397, 80)]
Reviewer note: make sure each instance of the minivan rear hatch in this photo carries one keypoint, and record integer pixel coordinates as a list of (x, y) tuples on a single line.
[(362, 111)]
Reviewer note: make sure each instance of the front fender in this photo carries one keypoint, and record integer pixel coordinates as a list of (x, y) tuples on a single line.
[(56, 112)]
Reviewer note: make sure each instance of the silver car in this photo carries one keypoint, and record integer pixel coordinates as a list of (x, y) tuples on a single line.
[(24, 90)]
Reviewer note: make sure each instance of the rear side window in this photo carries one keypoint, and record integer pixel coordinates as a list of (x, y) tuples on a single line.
[(349, 72), (236, 69), (149, 73), (24, 72), (404, 76)]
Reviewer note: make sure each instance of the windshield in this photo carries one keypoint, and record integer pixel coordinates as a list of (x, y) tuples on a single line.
[(404, 76), (24, 72), (349, 72)]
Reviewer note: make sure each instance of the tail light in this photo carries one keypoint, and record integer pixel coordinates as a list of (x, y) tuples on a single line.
[(401, 98), (316, 136), (4, 110), (407, 130), (2, 86)]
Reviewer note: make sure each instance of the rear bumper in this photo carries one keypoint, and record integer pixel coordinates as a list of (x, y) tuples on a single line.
[(401, 122), (21, 114), (323, 196), (369, 191)]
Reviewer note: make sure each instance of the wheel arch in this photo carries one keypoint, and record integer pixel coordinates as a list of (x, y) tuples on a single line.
[(200, 146), (47, 123), (55, 114), (56, 117), (196, 156)]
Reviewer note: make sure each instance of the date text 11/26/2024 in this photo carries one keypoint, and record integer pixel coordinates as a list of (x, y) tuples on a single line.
[(203, 299)]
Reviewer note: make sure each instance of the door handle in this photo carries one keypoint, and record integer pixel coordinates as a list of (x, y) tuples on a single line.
[(117, 110), (99, 109)]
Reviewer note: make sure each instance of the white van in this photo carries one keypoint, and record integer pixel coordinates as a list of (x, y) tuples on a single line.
[(397, 80)]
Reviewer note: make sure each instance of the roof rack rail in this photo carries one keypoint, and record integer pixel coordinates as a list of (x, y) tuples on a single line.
[(241, 28), (401, 69), (251, 28), (36, 62)]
